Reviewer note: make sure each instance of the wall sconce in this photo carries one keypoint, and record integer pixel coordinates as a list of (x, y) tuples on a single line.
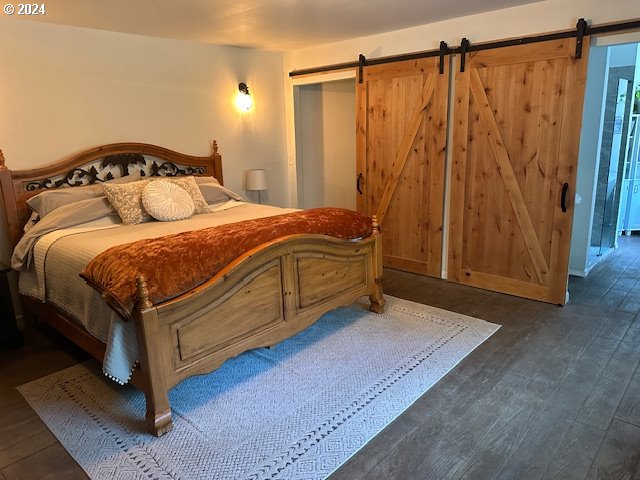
[(256, 180), (244, 102)]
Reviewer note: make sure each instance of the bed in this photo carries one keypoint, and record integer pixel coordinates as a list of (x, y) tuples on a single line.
[(264, 296)]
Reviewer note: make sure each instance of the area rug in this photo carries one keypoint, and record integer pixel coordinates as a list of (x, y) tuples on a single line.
[(297, 411)]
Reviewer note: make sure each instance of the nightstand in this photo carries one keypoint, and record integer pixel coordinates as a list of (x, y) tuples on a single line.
[(10, 336)]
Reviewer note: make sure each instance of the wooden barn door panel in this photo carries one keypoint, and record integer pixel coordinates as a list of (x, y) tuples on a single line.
[(401, 137), (516, 128)]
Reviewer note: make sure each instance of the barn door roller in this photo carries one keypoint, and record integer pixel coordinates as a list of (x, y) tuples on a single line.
[(444, 49), (464, 45), (581, 26)]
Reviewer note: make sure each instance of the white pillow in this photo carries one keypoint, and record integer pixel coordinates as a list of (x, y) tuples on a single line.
[(166, 201)]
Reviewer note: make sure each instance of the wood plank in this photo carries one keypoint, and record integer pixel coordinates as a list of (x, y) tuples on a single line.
[(558, 347), (508, 176), (405, 147), (514, 228), (619, 455), (573, 99), (49, 463), (536, 52), (505, 437), (575, 454), (38, 438), (601, 405), (403, 153), (457, 196), (502, 284), (631, 302), (629, 408)]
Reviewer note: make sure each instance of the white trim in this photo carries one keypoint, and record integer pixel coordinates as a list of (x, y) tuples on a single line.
[(323, 77), (618, 39), (578, 273), (447, 167)]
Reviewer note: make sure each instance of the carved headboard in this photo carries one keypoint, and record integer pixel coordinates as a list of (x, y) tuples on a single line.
[(96, 165)]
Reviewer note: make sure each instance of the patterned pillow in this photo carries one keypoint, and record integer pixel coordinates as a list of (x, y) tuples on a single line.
[(189, 184), (166, 201), (126, 198), (47, 201)]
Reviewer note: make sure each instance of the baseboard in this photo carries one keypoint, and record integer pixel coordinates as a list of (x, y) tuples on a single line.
[(578, 273)]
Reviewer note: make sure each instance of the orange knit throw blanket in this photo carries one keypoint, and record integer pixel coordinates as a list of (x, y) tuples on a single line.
[(175, 264)]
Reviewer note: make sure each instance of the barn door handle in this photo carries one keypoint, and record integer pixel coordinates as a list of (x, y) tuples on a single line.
[(563, 200), (358, 185)]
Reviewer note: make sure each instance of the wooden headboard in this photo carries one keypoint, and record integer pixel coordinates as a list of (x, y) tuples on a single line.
[(95, 165)]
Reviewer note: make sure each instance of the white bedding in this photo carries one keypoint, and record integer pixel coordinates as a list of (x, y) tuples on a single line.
[(59, 257)]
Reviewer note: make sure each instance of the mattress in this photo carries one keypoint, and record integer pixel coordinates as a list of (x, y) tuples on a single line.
[(59, 257)]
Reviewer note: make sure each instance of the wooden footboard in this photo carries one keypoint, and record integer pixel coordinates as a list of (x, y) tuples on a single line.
[(264, 297), (270, 293)]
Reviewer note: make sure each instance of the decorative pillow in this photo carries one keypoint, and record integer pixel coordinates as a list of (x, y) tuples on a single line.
[(47, 201), (189, 184), (126, 198), (206, 179), (166, 201), (215, 193)]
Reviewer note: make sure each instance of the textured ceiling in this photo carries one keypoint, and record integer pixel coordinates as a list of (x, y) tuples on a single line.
[(264, 24)]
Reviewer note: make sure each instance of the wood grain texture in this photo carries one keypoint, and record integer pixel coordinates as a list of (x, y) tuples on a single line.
[(50, 463), (401, 137), (508, 177), (515, 145), (292, 281), (600, 407), (575, 454), (619, 455), (558, 357), (544, 360), (629, 408), (408, 139), (13, 182)]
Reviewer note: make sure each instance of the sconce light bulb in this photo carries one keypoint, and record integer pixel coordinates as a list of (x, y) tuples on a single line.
[(244, 102)]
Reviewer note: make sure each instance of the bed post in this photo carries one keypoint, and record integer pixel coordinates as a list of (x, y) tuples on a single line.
[(9, 200), (377, 298), (147, 329), (217, 161)]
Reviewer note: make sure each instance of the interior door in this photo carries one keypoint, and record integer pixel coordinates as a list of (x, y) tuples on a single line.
[(400, 148), (516, 128)]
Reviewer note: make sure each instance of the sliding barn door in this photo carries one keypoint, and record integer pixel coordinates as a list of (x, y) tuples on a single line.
[(400, 145), (516, 127)]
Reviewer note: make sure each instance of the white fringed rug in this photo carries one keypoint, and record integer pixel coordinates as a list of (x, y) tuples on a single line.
[(297, 411)]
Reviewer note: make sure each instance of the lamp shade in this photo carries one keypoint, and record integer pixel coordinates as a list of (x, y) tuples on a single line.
[(256, 180)]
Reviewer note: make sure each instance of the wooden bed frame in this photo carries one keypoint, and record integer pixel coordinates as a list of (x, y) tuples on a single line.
[(263, 297)]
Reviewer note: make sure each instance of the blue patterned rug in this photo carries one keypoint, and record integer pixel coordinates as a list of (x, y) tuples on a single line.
[(297, 411)]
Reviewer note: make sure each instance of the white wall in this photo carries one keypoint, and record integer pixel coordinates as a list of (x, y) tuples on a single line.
[(623, 55), (534, 18), (588, 158), (64, 89), (326, 142)]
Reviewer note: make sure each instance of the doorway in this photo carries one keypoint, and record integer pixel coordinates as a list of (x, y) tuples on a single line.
[(326, 144), (606, 173)]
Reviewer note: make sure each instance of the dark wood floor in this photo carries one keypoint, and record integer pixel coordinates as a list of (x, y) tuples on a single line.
[(554, 394)]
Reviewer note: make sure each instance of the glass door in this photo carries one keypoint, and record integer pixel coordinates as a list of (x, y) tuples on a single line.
[(612, 163)]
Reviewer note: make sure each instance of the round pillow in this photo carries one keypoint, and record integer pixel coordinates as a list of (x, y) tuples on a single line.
[(166, 201)]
